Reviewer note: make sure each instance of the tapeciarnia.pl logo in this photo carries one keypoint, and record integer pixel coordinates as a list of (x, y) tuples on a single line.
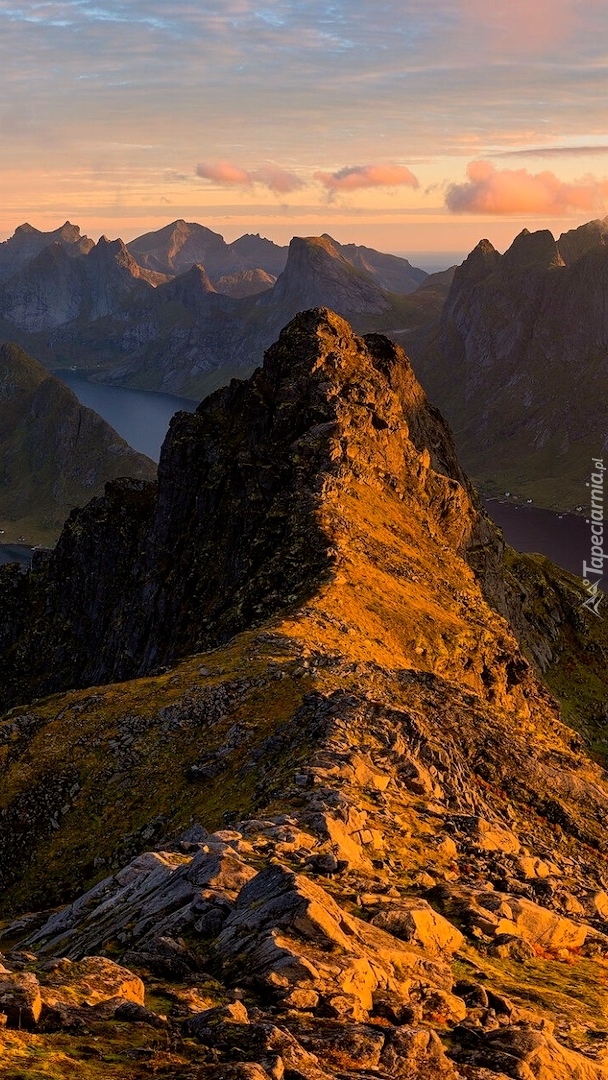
[(593, 571)]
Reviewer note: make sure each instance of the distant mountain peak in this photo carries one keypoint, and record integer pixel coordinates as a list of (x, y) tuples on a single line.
[(533, 249)]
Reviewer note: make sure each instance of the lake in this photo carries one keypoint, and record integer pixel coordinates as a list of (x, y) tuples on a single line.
[(15, 553), (140, 416), (563, 538)]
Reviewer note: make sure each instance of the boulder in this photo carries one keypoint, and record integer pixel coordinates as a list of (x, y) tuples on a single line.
[(416, 921), (491, 837), (540, 926), (411, 1053), (20, 999)]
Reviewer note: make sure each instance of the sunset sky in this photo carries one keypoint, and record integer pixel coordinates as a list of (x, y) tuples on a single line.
[(410, 125)]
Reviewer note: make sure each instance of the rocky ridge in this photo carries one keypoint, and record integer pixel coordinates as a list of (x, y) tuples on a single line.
[(350, 836)]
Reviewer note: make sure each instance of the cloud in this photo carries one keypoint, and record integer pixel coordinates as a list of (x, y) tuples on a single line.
[(555, 151), (511, 191), (276, 179), (223, 173), (281, 181), (355, 177)]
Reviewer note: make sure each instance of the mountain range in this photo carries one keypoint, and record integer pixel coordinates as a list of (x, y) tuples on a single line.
[(512, 347), (181, 310), (54, 453), (517, 362), (343, 813)]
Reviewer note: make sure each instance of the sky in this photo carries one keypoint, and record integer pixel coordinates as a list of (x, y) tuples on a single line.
[(409, 125)]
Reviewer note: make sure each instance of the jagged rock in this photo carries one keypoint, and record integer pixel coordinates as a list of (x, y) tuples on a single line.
[(506, 917), (491, 837), (132, 1012), (345, 849), (531, 867), (273, 1047), (158, 894), (202, 1024)]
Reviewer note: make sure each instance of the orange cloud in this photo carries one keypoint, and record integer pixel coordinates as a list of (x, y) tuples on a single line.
[(271, 176), (354, 177), (511, 191)]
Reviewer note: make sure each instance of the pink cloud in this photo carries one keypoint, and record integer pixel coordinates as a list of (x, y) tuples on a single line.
[(271, 176), (278, 180), (511, 191), (354, 177), (223, 172)]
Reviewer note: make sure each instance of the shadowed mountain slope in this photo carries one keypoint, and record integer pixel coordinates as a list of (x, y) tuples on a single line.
[(519, 364), (54, 453)]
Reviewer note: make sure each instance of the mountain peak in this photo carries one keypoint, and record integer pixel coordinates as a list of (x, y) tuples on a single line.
[(190, 287), (533, 249), (328, 413), (317, 274)]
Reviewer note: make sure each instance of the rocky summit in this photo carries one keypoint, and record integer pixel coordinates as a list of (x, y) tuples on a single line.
[(318, 792)]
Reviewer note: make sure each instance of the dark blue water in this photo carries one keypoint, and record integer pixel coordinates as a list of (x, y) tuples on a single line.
[(140, 416), (563, 538), (15, 553)]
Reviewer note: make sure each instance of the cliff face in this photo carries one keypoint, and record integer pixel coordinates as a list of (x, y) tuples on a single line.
[(55, 288), (351, 838), (515, 327)]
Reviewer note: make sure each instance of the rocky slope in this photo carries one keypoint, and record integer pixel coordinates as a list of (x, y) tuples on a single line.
[(347, 833), (515, 329), (54, 453)]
